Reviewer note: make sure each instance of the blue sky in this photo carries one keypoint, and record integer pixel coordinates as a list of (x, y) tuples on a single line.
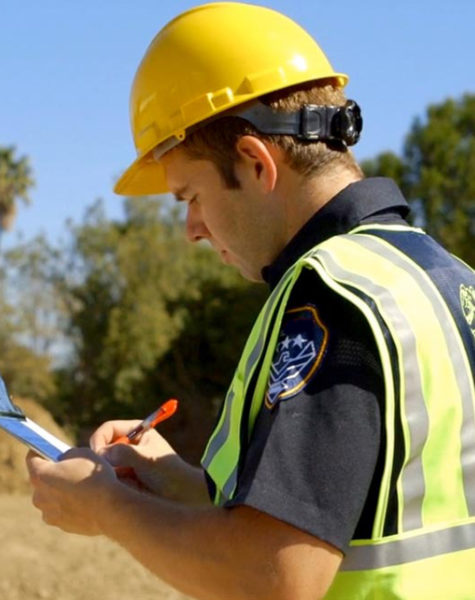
[(67, 66)]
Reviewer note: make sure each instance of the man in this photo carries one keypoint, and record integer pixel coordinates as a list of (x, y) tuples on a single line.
[(343, 462)]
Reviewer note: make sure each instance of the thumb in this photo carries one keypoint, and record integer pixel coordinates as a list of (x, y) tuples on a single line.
[(120, 455)]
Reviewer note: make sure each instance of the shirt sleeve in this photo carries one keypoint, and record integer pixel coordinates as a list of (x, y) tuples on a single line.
[(313, 454)]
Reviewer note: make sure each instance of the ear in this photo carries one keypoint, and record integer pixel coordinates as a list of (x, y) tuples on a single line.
[(257, 161)]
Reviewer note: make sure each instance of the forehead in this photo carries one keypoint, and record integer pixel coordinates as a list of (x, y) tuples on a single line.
[(182, 171)]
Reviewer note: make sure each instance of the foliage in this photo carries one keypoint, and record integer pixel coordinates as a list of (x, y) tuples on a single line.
[(34, 277), (437, 173), (26, 373), (15, 183)]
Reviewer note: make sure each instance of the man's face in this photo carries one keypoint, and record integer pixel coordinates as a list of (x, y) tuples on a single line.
[(231, 220)]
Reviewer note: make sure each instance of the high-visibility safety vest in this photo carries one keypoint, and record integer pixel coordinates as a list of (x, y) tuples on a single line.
[(420, 304)]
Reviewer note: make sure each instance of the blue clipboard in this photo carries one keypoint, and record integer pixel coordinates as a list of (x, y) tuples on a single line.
[(17, 424)]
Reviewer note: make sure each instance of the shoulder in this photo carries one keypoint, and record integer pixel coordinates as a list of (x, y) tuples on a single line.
[(323, 339)]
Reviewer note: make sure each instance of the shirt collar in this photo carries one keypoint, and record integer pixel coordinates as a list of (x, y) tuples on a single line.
[(367, 200)]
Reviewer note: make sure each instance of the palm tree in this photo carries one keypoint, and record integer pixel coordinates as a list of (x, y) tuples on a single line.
[(15, 182)]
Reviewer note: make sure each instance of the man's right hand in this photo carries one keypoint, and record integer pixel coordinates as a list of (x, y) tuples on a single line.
[(154, 462)]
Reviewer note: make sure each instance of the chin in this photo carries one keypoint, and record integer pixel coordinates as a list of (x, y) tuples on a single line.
[(248, 273), (251, 276)]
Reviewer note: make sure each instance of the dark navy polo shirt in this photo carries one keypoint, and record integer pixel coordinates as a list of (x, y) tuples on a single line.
[(315, 458)]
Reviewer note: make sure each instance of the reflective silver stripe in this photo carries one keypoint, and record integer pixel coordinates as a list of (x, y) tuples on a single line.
[(413, 484), (221, 436), (269, 310), (464, 379), (416, 547), (230, 484)]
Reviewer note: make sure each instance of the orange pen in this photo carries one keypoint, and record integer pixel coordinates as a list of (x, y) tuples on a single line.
[(166, 410)]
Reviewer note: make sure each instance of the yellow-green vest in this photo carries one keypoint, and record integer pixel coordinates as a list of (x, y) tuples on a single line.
[(420, 304)]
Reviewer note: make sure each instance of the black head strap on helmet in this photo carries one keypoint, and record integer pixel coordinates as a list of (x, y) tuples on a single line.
[(336, 125), (314, 123)]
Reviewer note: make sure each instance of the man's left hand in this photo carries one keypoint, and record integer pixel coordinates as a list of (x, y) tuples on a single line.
[(71, 493)]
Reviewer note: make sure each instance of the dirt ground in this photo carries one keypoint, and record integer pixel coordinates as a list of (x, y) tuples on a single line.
[(39, 562)]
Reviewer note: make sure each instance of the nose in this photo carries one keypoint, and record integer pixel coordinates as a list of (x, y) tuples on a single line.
[(196, 229)]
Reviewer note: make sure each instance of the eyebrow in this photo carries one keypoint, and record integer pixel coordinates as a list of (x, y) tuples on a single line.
[(179, 193)]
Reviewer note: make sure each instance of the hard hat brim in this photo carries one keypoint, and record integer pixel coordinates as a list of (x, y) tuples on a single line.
[(144, 177)]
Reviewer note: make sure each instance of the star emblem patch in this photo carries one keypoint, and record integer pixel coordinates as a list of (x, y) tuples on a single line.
[(300, 349)]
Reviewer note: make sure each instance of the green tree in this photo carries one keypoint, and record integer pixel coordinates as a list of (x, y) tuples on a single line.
[(15, 182), (29, 325), (26, 373), (34, 279), (437, 173)]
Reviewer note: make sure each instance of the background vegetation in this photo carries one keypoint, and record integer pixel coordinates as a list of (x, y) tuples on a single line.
[(125, 314)]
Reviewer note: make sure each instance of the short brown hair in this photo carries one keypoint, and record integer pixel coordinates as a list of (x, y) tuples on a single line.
[(216, 141)]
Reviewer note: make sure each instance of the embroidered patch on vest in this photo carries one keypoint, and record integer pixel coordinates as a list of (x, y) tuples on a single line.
[(467, 300), (302, 342)]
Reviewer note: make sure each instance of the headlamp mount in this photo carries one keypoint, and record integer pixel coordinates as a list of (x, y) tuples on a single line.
[(313, 123)]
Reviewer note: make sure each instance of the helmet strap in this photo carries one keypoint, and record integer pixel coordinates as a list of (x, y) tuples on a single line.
[(313, 123), (335, 125)]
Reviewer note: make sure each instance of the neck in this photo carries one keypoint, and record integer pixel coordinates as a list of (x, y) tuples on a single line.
[(304, 196)]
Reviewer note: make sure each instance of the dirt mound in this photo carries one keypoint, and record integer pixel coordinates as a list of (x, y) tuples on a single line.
[(13, 473)]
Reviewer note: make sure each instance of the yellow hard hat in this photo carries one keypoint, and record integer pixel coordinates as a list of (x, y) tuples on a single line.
[(208, 60)]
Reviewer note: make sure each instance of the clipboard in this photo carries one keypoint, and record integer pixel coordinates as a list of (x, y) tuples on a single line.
[(17, 424)]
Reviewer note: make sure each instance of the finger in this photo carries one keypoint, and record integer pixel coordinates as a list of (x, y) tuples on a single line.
[(35, 465), (52, 516), (80, 452), (131, 480), (110, 431), (39, 499), (121, 455)]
